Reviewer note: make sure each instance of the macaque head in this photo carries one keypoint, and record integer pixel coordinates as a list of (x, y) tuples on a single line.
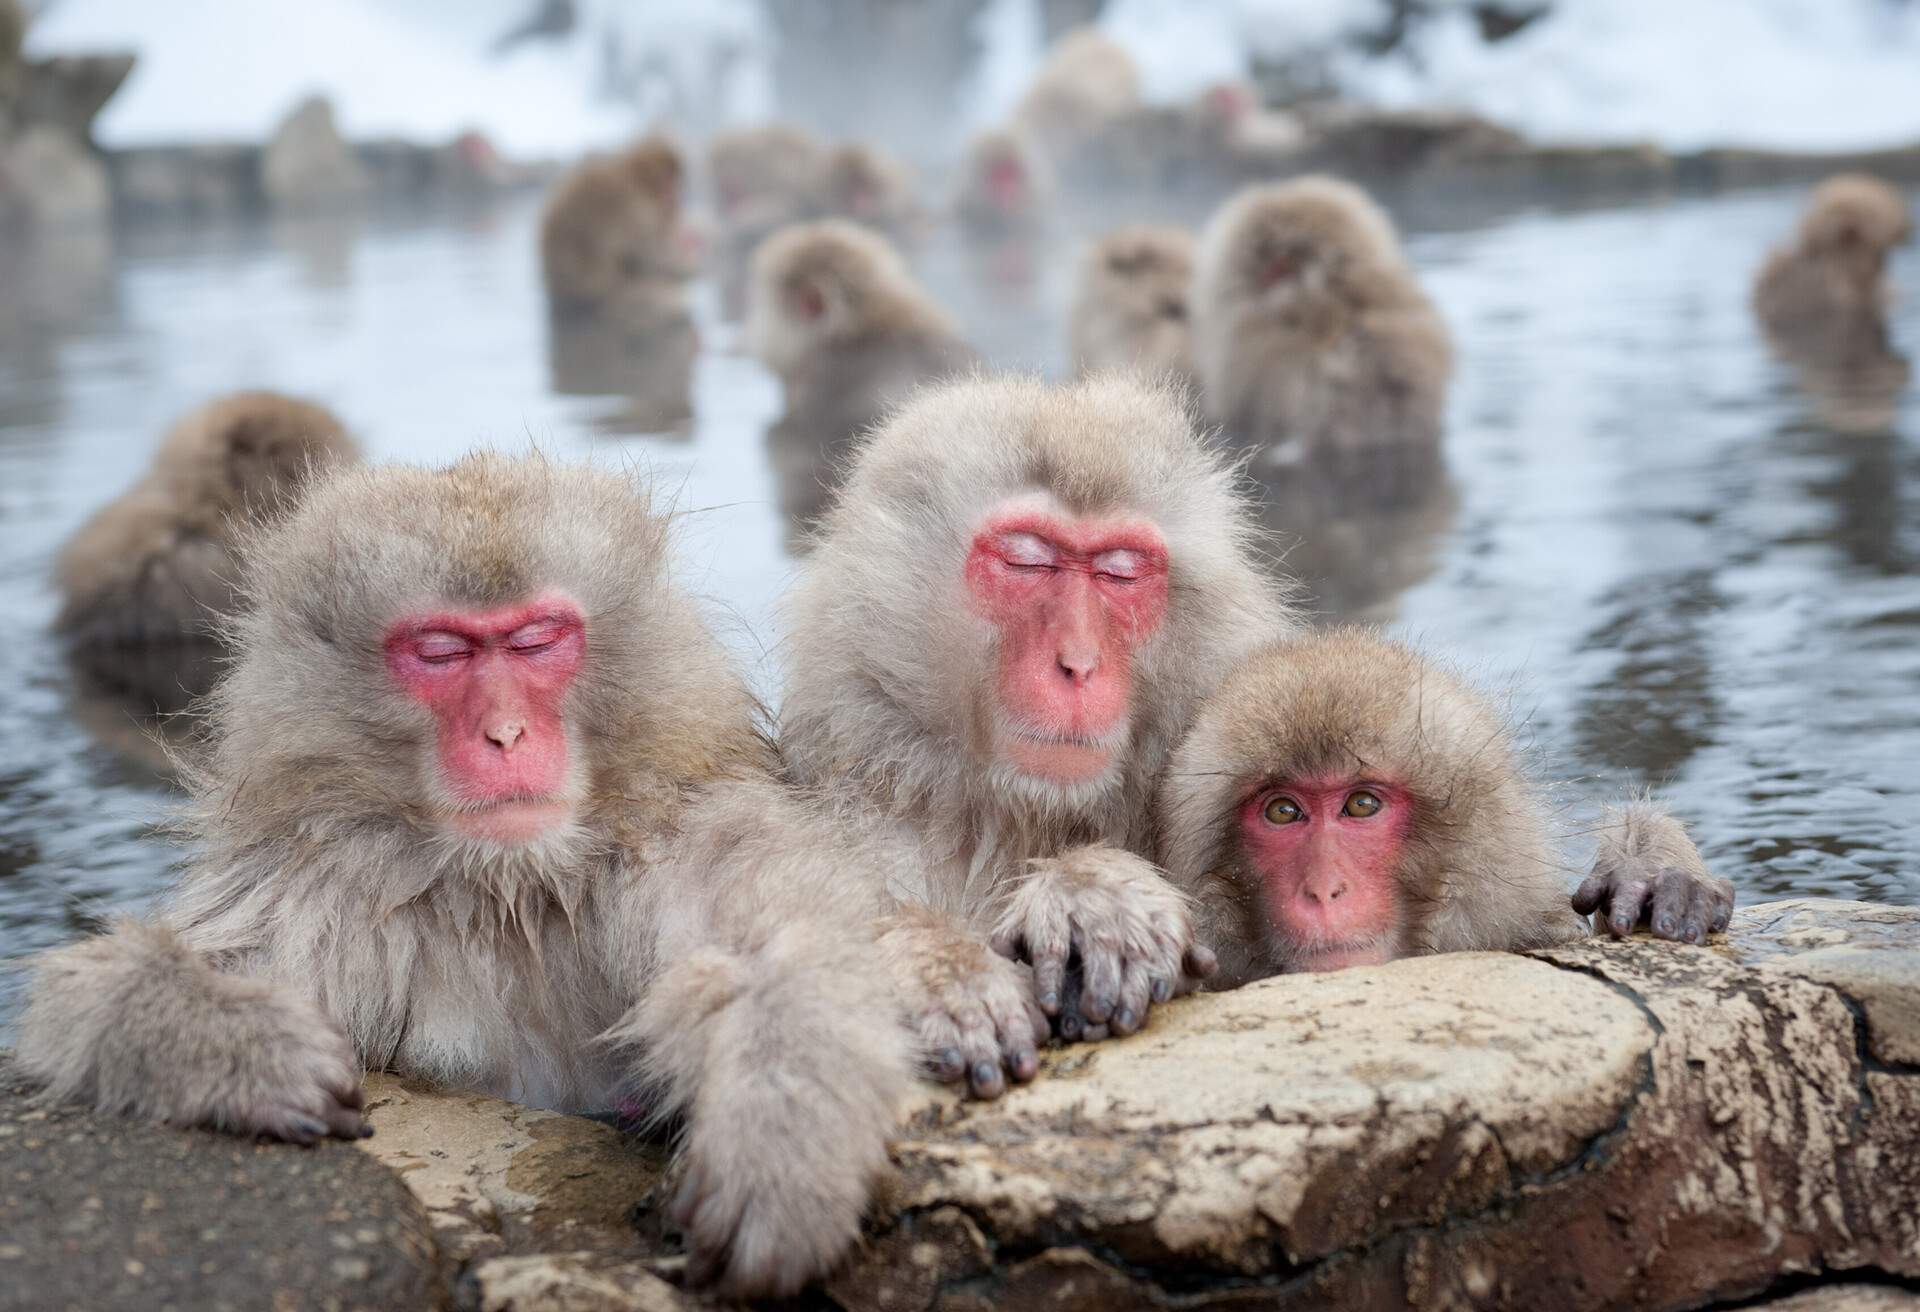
[(860, 183), (761, 170), (1229, 103), (612, 233), (1004, 174), (1290, 244), (250, 453), (1854, 220), (814, 284), (471, 655), (1035, 577), (1144, 270), (1340, 801)]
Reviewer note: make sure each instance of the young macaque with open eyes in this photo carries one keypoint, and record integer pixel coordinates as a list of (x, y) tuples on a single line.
[(1130, 306), (1342, 801), (484, 804), (834, 311), (1312, 338), (1006, 189), (161, 565), (611, 236), (1013, 609)]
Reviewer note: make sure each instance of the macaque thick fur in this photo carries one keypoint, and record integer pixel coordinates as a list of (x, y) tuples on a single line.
[(484, 804), (1015, 606), (1310, 333), (611, 238), (1130, 305), (1341, 800), (1006, 188), (1835, 268), (160, 565)]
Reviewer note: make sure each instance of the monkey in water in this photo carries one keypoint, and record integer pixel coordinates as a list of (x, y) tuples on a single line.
[(863, 184), (1006, 188), (483, 803), (1342, 801), (1130, 304), (1016, 603), (1311, 337), (1088, 80), (763, 178), (161, 565), (611, 236)]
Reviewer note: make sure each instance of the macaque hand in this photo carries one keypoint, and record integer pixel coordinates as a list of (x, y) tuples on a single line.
[(1114, 915), (1674, 902), (295, 1074), (975, 1014)]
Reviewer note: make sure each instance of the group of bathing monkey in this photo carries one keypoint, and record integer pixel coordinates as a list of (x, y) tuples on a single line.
[(481, 799)]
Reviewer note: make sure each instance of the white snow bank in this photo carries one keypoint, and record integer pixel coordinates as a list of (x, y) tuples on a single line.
[(231, 69)]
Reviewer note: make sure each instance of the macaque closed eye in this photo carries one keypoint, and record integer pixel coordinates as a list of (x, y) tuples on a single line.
[(441, 648), (1120, 566), (1025, 551), (536, 637)]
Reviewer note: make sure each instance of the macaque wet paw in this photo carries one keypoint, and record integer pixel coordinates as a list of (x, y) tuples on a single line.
[(300, 1080), (1681, 905), (1108, 938)]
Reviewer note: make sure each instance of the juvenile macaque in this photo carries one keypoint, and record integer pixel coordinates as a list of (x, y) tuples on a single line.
[(1017, 602), (1311, 336), (1130, 305), (834, 311), (611, 237), (161, 565), (1088, 79), (1342, 801), (1823, 300), (485, 805), (865, 185), (1006, 188)]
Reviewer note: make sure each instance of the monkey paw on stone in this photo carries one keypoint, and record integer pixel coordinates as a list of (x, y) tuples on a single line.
[(296, 1075), (1674, 902), (1108, 937), (975, 1014)]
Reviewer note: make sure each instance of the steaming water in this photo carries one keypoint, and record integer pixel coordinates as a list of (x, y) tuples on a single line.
[(1655, 539)]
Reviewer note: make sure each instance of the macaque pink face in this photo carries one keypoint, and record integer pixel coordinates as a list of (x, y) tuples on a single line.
[(1006, 183), (496, 682), (1072, 601), (1325, 852)]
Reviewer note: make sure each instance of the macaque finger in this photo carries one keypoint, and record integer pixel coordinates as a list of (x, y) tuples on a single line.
[(345, 1123), (1702, 910), (985, 1080), (1018, 1051), (1100, 983), (1592, 890), (947, 1066), (1628, 901), (1723, 905), (1200, 962), (1049, 980), (1672, 891)]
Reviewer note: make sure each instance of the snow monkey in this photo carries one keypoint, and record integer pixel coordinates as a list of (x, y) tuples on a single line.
[(862, 183), (763, 178), (1015, 605), (1006, 189), (1130, 305), (1342, 801), (484, 804), (160, 565), (1088, 79), (1835, 269), (611, 237), (1311, 336)]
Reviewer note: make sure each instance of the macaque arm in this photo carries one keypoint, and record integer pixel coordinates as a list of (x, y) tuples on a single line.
[(771, 1027), (1647, 871), (134, 1022), (1130, 931)]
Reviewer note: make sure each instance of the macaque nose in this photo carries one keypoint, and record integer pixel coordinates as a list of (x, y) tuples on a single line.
[(505, 733), (1322, 891), (1078, 661)]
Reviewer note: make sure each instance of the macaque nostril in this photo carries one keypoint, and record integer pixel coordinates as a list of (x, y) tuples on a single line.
[(504, 736)]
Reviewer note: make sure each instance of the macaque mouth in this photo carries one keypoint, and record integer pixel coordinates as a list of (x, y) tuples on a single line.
[(1281, 268), (510, 822), (1061, 757), (1373, 950), (1007, 182)]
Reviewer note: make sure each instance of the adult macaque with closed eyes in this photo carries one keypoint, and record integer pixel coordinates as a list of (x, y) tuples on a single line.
[(611, 236), (1130, 305), (484, 804), (1014, 607), (1311, 336), (1342, 801)]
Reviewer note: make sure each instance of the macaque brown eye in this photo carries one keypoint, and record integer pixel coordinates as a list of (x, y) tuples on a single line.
[(1362, 804), (1283, 811)]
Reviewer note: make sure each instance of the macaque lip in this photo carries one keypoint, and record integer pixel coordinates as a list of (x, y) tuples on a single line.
[(1060, 760), (512, 823), (1319, 960)]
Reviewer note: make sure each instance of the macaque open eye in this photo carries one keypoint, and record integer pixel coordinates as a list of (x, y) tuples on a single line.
[(441, 648), (536, 637), (1283, 811), (1121, 566), (1026, 551), (1362, 804)]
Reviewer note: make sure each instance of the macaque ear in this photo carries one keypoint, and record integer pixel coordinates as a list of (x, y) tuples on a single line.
[(807, 301)]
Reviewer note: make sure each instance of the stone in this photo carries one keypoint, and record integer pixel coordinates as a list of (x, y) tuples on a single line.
[(51, 180), (306, 163), (572, 1282), (1846, 1298), (103, 1214)]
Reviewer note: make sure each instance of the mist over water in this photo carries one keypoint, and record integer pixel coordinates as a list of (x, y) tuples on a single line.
[(1652, 538)]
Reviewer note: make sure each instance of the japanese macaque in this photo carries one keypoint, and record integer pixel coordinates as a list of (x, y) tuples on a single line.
[(1006, 188), (484, 804), (1311, 337), (611, 237), (1822, 301), (160, 566), (1088, 79), (1221, 136), (763, 179), (1014, 607), (834, 311), (865, 185), (1342, 801), (1130, 305)]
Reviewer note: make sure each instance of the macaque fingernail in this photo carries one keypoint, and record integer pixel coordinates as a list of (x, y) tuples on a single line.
[(366, 1131), (1123, 1019), (1665, 928), (1050, 1002), (1162, 989)]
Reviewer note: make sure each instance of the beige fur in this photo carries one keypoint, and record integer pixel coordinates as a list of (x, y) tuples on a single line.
[(695, 931), (1835, 269), (1130, 305), (161, 563), (1088, 78), (610, 236), (1342, 359), (890, 705), (983, 214), (1481, 868), (863, 184)]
